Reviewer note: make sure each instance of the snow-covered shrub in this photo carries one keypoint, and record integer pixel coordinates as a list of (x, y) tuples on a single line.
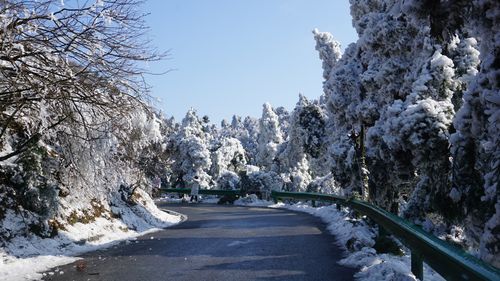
[(298, 177), (227, 155), (260, 183), (326, 185), (228, 181)]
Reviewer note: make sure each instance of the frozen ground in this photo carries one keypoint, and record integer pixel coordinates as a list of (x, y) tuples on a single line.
[(24, 258)]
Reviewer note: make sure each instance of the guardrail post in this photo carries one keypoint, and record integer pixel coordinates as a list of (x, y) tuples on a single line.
[(417, 264), (313, 203), (381, 231)]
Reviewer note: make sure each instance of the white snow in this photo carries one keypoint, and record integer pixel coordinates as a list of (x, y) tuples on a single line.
[(29, 268), (26, 258), (239, 242)]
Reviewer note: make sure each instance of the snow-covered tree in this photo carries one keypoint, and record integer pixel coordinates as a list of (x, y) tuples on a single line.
[(191, 125), (342, 94), (269, 138), (283, 121), (59, 64), (402, 82), (156, 158), (328, 49), (396, 75), (305, 143), (476, 143), (292, 152), (228, 155), (236, 123), (192, 156), (74, 116), (249, 138), (195, 161), (234, 130)]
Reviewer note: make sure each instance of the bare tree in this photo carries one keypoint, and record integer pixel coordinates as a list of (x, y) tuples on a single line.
[(68, 62)]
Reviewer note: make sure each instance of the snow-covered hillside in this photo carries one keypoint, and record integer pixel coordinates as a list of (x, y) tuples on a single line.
[(79, 143), (27, 256)]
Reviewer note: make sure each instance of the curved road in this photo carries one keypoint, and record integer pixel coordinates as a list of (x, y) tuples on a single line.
[(222, 243)]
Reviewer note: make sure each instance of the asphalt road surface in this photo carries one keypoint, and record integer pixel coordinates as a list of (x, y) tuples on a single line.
[(221, 243)]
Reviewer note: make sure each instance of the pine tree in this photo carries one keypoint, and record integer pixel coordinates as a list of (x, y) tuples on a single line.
[(192, 157), (269, 138)]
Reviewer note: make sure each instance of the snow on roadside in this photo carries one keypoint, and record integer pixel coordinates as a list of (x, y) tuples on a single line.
[(253, 201), (13, 268), (360, 238), (25, 258)]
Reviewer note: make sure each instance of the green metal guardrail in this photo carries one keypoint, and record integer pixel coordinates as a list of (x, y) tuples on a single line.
[(202, 191), (450, 262)]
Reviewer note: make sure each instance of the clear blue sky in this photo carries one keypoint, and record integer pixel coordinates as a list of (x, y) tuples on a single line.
[(231, 56)]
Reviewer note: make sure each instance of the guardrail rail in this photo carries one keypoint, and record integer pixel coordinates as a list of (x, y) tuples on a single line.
[(202, 191)]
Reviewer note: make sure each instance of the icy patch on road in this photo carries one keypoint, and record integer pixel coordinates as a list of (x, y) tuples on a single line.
[(237, 243)]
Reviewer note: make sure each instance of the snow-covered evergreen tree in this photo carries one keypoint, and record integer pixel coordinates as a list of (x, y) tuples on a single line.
[(341, 95), (192, 156), (191, 125), (476, 144), (292, 152), (228, 156), (402, 82), (329, 51), (283, 120), (305, 144), (269, 137), (250, 134)]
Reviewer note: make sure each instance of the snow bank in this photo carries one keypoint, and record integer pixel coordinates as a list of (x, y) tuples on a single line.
[(26, 257)]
